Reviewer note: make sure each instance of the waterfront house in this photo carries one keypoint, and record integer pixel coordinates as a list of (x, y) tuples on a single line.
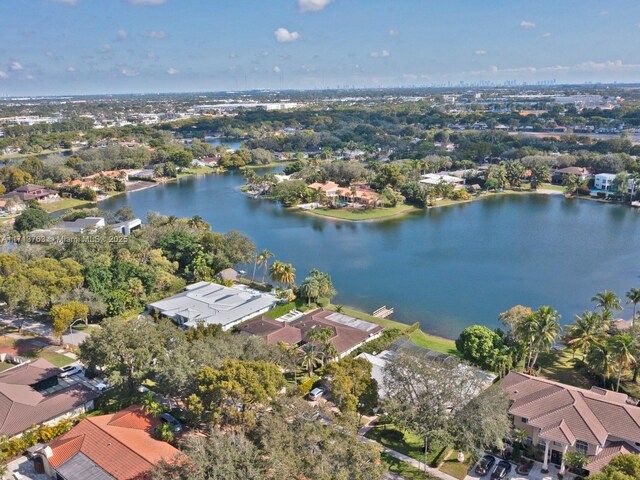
[(560, 173), (347, 333), (604, 181), (438, 178), (117, 446), (32, 394), (330, 189), (212, 304), (561, 418), (82, 225), (34, 192)]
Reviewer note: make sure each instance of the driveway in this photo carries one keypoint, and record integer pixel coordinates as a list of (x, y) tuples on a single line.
[(24, 467), (534, 474)]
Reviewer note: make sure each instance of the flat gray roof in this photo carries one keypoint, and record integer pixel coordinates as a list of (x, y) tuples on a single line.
[(81, 467), (214, 304)]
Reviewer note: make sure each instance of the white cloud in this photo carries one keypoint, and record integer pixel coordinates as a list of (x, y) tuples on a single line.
[(526, 24), (129, 72), (157, 34), (152, 55), (409, 76), (481, 52), (546, 34), (71, 69), (3, 74), (285, 36), (28, 76), (122, 35), (106, 48), (312, 5), (145, 2), (393, 33), (381, 53), (16, 66), (277, 69), (172, 71)]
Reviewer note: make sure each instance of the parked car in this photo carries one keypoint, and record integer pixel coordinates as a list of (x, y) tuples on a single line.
[(102, 386), (316, 393), (485, 465), (69, 370), (501, 471), (176, 426)]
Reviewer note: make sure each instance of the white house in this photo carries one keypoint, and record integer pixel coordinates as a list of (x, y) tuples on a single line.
[(438, 178), (604, 181)]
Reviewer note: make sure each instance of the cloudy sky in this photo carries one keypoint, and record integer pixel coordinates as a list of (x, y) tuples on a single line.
[(119, 46)]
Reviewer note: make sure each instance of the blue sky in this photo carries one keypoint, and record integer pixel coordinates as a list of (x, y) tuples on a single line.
[(120, 46)]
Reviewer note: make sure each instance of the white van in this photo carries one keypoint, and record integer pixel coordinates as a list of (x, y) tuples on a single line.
[(316, 393)]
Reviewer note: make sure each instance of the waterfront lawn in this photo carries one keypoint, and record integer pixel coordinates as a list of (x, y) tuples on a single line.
[(64, 204), (559, 366), (432, 342), (551, 186), (454, 468), (421, 339), (403, 469), (368, 214)]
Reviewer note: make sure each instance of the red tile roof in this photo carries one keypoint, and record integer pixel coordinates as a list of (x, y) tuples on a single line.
[(121, 444)]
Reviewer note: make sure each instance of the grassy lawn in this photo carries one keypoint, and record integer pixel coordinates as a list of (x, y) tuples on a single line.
[(356, 215), (432, 342), (550, 186), (404, 469), (425, 340), (454, 468), (280, 310), (406, 443), (4, 366), (558, 365), (55, 358), (64, 204)]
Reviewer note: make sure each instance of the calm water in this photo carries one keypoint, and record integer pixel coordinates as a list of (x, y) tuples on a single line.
[(447, 267)]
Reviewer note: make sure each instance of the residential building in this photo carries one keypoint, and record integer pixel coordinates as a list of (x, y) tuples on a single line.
[(127, 226), (212, 304), (604, 181), (580, 172), (437, 178), (34, 192), (82, 225), (330, 189), (405, 346), (32, 394), (561, 418), (228, 275), (348, 333), (117, 446)]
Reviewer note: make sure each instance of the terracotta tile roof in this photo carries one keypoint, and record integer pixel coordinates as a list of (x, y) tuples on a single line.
[(607, 454), (347, 331), (121, 444), (21, 406), (566, 414)]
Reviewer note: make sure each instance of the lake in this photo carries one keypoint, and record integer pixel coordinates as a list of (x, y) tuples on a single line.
[(447, 267)]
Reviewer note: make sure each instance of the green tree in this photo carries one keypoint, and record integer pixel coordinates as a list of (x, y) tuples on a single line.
[(622, 467), (543, 327), (633, 298), (585, 331), (539, 174), (607, 301), (479, 345), (349, 380), (623, 350), (64, 314), (283, 273), (571, 184), (32, 218)]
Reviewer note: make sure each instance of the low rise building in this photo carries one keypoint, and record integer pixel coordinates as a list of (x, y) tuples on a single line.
[(212, 304), (34, 192), (348, 333), (561, 418), (604, 181), (438, 178), (560, 173), (117, 446), (32, 394)]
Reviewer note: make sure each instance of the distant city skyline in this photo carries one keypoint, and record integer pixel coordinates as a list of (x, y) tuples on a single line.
[(62, 47)]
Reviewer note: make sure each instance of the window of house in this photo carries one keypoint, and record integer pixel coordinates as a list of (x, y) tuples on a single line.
[(524, 420), (528, 442), (581, 446)]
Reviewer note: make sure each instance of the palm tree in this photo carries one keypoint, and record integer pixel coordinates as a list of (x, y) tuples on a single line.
[(571, 184), (539, 174), (311, 358), (546, 327), (599, 361), (288, 274), (265, 255), (633, 297), (585, 331), (623, 348), (309, 288), (607, 300), (197, 222)]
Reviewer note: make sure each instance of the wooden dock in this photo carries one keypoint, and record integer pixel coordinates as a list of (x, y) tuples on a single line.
[(383, 312)]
